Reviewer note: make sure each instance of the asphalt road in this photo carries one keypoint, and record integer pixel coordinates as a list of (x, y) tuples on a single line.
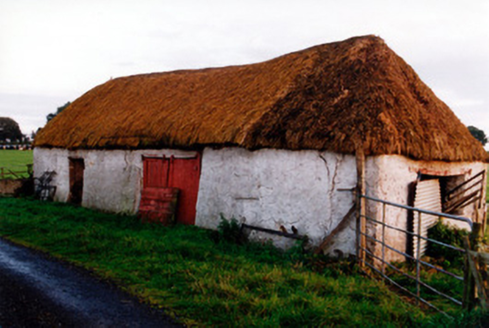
[(38, 291)]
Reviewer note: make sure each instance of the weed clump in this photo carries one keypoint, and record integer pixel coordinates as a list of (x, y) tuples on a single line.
[(230, 231)]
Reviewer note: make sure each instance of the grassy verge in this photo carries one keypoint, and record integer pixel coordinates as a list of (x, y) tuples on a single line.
[(204, 280)]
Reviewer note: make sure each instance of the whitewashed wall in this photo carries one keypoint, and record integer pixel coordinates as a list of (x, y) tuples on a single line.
[(112, 179), (308, 189), (272, 188)]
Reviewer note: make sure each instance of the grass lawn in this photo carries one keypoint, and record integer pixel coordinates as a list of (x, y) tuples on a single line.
[(201, 279), (15, 160)]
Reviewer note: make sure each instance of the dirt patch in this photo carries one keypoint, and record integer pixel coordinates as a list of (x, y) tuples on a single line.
[(9, 186)]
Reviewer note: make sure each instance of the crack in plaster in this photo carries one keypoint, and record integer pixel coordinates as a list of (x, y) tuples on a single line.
[(330, 193), (339, 160), (329, 177), (325, 164), (333, 183), (126, 160)]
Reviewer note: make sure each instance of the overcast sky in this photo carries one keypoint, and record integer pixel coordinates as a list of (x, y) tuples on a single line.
[(52, 51)]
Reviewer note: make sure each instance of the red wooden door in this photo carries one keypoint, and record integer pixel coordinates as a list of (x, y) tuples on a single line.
[(181, 173), (156, 172), (185, 175)]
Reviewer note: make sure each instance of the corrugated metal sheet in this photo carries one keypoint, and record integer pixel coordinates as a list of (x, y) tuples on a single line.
[(428, 197)]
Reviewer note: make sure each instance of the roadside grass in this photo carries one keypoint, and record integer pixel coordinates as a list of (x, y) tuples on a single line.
[(204, 280), (15, 160)]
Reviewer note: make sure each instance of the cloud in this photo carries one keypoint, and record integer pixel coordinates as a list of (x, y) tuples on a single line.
[(29, 110)]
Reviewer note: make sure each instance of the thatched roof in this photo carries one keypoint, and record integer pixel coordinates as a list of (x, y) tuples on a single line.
[(329, 97)]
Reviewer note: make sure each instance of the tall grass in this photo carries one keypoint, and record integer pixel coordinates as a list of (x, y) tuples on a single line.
[(202, 279)]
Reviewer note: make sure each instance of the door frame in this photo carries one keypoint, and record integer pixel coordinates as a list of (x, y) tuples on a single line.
[(170, 183), (76, 179)]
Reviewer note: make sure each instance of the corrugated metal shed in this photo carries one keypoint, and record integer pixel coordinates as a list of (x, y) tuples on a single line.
[(428, 197)]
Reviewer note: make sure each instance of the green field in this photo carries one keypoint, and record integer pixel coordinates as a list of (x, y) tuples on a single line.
[(15, 160), (203, 279)]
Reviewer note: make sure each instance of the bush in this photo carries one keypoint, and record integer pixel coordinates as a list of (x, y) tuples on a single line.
[(448, 235)]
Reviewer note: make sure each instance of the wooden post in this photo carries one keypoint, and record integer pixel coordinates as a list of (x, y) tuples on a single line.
[(418, 257), (361, 221), (473, 283), (482, 203), (29, 169), (468, 301)]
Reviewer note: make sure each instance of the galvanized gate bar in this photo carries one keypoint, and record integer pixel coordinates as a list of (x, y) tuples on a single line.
[(413, 258), (413, 278), (383, 238), (422, 283), (414, 234), (400, 286), (418, 238), (449, 216)]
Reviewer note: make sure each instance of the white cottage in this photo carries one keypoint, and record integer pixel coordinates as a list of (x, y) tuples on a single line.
[(271, 144)]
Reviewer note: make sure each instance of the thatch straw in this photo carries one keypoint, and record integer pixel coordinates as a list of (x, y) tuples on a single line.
[(329, 97)]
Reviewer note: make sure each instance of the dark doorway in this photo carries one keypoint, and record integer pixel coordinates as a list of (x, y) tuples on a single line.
[(77, 167)]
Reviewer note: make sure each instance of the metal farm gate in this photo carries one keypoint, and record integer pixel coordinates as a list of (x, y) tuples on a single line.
[(393, 242), (387, 250)]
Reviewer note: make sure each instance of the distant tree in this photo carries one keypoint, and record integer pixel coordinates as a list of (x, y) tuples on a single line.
[(9, 129), (33, 134), (478, 134), (50, 116)]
